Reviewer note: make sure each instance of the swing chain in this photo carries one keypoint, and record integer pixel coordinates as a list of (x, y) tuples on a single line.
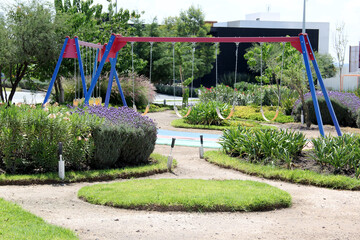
[(132, 69), (192, 70), (236, 64)]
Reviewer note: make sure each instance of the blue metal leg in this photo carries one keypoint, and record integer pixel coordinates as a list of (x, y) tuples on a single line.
[(95, 63), (326, 96), (312, 86), (80, 65), (120, 89), (99, 69), (47, 96), (111, 78)]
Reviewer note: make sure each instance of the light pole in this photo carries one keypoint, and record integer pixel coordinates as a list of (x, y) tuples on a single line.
[(303, 25)]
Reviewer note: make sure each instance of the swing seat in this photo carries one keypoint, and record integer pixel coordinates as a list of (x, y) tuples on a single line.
[(228, 117), (146, 110), (178, 113), (76, 102), (98, 101)]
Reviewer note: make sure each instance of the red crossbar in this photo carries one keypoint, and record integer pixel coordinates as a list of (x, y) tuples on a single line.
[(92, 45), (208, 39)]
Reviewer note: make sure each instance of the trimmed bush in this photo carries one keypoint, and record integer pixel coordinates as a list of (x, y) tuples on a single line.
[(126, 138), (345, 106)]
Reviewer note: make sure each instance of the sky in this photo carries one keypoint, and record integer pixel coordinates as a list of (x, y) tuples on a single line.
[(332, 11)]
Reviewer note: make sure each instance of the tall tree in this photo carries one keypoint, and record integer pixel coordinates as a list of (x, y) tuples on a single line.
[(31, 41), (340, 44)]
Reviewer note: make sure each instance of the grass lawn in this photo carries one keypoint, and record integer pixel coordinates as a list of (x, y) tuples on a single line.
[(180, 123), (158, 165), (16, 223), (187, 195), (271, 172)]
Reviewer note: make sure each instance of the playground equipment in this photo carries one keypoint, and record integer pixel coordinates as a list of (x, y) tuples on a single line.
[(278, 84), (71, 49), (234, 98), (110, 51)]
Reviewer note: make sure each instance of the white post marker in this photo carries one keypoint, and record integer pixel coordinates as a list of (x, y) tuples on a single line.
[(61, 163), (302, 116), (201, 149), (170, 158)]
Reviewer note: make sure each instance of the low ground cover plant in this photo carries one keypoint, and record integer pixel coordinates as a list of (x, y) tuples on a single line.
[(266, 146), (187, 195), (93, 137), (16, 223), (180, 123), (253, 113), (342, 153)]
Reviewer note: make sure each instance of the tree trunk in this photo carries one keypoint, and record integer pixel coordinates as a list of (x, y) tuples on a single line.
[(56, 90), (20, 73), (1, 88), (61, 91), (306, 110)]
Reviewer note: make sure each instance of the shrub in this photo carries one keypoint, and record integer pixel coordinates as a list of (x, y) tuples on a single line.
[(225, 94), (247, 94), (143, 89), (345, 107), (342, 153), (125, 138), (169, 90), (204, 113), (29, 138), (263, 145), (94, 137), (229, 78)]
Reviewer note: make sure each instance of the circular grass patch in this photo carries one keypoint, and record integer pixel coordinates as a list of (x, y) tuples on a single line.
[(187, 195)]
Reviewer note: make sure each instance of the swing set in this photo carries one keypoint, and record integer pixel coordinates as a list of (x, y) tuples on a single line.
[(109, 52)]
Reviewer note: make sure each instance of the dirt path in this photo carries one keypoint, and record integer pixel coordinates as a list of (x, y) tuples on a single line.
[(317, 213)]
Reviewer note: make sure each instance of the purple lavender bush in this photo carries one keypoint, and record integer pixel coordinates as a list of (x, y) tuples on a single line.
[(125, 137), (346, 106)]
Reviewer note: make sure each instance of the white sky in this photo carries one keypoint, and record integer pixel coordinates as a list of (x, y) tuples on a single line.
[(332, 11)]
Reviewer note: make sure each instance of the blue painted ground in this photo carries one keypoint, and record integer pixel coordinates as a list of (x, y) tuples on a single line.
[(189, 139)]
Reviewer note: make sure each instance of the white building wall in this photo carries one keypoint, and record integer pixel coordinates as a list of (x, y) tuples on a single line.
[(324, 28)]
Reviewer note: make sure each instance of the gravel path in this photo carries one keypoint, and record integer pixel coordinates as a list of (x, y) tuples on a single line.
[(316, 212)]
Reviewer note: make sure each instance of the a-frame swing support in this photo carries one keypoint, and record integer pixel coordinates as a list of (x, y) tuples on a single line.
[(301, 43), (71, 49)]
